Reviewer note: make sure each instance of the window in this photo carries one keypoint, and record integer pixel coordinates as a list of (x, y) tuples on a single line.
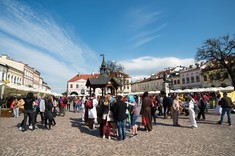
[(178, 81), (174, 81), (71, 85), (77, 85), (197, 78), (3, 76), (183, 80), (192, 79), (205, 77), (187, 80)]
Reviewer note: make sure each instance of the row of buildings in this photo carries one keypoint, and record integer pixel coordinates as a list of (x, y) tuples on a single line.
[(201, 75), (20, 74)]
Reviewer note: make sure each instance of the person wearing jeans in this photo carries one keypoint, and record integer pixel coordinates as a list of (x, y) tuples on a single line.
[(120, 117), (16, 108), (121, 129), (226, 104)]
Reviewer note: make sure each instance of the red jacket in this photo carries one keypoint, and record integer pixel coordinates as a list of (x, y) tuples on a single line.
[(62, 102)]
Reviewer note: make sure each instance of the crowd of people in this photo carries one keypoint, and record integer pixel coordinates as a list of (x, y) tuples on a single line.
[(117, 114)]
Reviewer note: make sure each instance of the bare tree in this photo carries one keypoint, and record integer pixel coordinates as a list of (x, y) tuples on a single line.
[(221, 51), (114, 66)]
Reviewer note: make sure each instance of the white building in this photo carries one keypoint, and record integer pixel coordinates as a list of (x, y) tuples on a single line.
[(191, 77), (125, 81), (19, 73), (77, 84), (15, 71), (3, 72), (36, 80), (28, 76)]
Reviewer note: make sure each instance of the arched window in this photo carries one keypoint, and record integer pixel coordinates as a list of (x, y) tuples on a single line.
[(3, 76), (15, 79), (12, 80)]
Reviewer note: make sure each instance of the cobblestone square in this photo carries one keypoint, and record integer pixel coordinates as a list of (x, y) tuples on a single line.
[(71, 137)]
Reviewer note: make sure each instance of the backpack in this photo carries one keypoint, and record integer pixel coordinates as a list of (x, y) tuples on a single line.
[(89, 104), (65, 101)]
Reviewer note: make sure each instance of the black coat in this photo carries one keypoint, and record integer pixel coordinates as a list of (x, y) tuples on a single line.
[(120, 110), (48, 109)]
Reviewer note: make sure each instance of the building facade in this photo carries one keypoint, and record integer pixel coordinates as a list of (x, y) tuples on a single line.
[(213, 75), (16, 72), (125, 81), (36, 79), (28, 76), (3, 72), (77, 84)]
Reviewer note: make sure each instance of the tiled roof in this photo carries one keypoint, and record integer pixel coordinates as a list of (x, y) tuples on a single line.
[(123, 74), (83, 76), (101, 80)]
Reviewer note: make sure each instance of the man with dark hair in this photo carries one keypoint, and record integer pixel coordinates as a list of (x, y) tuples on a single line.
[(120, 117), (63, 104), (226, 104), (167, 102), (29, 111)]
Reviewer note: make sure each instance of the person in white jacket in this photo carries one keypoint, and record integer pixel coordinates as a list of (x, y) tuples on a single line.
[(191, 112), (40, 109), (92, 113)]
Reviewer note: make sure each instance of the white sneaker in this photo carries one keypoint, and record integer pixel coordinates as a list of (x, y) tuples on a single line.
[(109, 138), (21, 128), (30, 127)]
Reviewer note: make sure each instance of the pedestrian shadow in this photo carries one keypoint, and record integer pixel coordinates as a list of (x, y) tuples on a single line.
[(78, 123), (209, 122), (40, 126), (171, 125)]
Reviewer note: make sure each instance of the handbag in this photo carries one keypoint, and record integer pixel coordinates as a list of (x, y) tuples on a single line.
[(104, 116), (110, 115)]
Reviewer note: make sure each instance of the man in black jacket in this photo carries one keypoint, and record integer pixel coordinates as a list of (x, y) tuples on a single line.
[(226, 104), (167, 103), (120, 116), (29, 111)]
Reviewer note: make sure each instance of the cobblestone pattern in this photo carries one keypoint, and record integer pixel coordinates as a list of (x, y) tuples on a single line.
[(71, 137)]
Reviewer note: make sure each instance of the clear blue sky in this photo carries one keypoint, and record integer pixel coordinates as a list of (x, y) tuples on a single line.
[(143, 35)]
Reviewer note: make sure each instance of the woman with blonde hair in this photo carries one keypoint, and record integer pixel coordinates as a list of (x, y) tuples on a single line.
[(107, 116)]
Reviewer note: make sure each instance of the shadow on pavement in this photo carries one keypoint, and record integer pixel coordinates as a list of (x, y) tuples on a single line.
[(78, 123)]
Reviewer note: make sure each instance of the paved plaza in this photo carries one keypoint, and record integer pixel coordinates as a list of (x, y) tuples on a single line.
[(71, 137)]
